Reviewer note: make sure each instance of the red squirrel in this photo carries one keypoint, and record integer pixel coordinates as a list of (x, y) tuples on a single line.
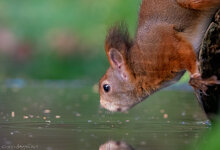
[(166, 45)]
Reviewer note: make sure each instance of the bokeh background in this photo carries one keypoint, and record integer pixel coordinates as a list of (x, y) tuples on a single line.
[(53, 39)]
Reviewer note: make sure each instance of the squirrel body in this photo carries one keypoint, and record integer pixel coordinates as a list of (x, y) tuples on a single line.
[(166, 45)]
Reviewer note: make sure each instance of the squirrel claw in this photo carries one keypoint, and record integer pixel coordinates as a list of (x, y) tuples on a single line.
[(198, 83)]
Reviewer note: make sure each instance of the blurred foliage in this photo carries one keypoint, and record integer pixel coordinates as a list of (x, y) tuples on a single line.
[(55, 39), (210, 140)]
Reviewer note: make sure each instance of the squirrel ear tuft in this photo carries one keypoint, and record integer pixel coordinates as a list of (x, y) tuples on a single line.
[(118, 38)]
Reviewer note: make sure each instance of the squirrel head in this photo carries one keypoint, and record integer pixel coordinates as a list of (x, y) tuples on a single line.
[(116, 87), (133, 74)]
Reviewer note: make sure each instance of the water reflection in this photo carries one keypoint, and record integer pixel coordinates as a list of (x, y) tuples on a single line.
[(116, 145), (66, 115)]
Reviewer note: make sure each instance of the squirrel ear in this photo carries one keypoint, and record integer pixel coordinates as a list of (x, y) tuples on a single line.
[(117, 44), (115, 58), (117, 62)]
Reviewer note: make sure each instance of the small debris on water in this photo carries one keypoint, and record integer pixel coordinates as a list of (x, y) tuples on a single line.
[(44, 118), (48, 121), (58, 117), (165, 116), (89, 121), (31, 116), (78, 114), (162, 111), (47, 111), (30, 135), (25, 117), (12, 114), (127, 120)]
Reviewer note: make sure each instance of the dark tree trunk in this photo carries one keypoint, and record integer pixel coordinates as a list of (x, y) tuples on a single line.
[(209, 59)]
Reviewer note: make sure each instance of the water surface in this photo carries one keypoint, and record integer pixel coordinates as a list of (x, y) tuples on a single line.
[(60, 115)]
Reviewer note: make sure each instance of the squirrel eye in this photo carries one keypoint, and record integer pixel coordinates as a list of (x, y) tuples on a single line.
[(106, 88)]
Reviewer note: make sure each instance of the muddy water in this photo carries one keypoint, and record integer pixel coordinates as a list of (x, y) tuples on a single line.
[(60, 115)]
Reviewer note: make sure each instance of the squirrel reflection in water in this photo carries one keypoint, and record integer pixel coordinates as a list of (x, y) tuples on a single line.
[(113, 145)]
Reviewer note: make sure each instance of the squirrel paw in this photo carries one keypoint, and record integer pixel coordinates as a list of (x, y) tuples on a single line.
[(198, 83)]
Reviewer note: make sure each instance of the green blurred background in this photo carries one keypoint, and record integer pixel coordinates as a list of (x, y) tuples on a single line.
[(53, 39)]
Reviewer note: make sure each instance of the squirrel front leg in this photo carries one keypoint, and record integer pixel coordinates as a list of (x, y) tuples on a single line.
[(199, 4), (190, 63)]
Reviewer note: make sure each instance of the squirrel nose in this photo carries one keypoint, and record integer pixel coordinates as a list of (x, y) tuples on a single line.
[(119, 109)]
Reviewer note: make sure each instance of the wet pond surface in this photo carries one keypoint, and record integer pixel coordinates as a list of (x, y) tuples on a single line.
[(60, 115)]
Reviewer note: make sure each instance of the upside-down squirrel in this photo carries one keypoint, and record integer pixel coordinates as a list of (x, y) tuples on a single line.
[(166, 44)]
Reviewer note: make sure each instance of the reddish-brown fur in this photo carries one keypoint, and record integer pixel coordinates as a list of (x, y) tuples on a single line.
[(165, 46), (198, 4)]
